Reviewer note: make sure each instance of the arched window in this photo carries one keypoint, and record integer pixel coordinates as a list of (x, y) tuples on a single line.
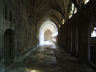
[(9, 47), (93, 34)]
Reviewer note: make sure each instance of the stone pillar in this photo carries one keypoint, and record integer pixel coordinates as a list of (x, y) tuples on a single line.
[(68, 38), (74, 37), (83, 31)]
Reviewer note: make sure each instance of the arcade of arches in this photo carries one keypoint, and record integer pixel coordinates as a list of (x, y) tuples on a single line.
[(47, 35)]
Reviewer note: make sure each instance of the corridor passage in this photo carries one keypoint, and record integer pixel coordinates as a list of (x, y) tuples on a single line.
[(48, 59), (47, 35)]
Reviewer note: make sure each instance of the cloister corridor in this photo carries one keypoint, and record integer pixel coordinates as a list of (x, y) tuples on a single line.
[(47, 35)]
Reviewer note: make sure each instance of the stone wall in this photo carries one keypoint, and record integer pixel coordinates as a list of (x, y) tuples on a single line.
[(24, 29), (74, 36)]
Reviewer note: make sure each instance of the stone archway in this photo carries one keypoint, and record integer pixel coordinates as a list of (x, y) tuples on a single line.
[(48, 33), (92, 41), (8, 47), (93, 45)]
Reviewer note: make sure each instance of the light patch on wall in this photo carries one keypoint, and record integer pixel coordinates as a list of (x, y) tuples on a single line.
[(55, 34), (59, 25), (72, 6), (73, 10), (86, 1), (47, 25), (70, 16), (54, 39), (63, 21)]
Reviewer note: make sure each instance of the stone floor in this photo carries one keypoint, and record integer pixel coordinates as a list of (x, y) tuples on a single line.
[(47, 59)]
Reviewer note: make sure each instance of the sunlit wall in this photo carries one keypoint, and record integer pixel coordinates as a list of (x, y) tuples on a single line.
[(86, 1), (73, 10)]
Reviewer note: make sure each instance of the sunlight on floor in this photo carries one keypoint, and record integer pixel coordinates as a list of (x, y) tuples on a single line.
[(32, 70)]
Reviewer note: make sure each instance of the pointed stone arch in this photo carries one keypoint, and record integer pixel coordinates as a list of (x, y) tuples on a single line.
[(9, 47), (47, 25)]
